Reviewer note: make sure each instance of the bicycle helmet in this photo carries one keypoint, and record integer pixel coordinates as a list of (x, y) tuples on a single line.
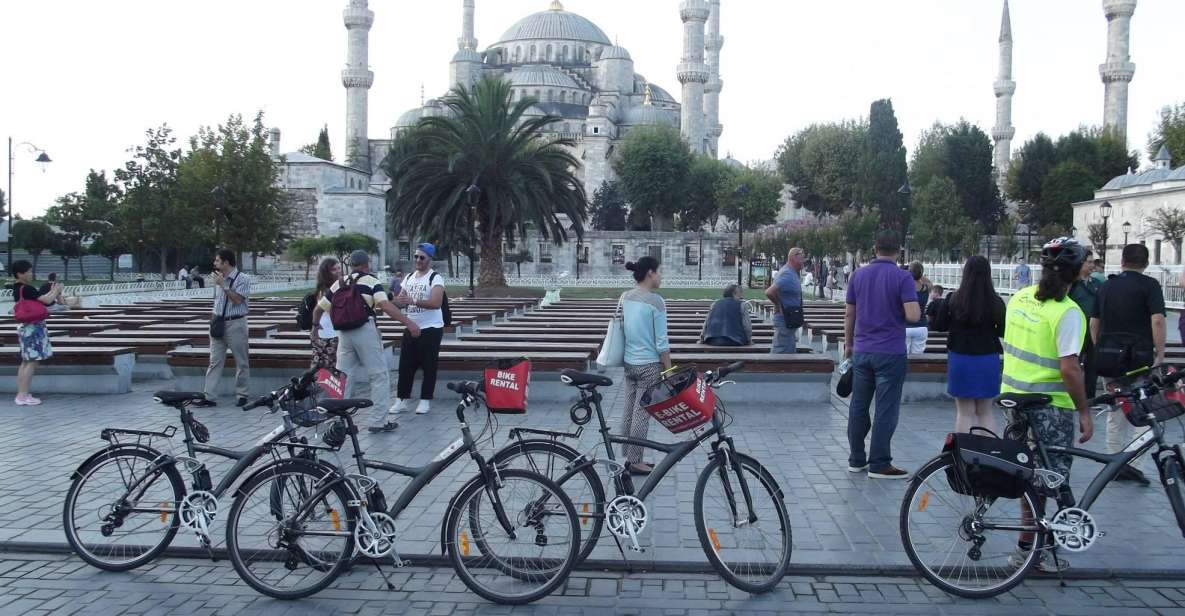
[(1063, 251)]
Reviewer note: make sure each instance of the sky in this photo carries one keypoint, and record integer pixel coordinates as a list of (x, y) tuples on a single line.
[(83, 79)]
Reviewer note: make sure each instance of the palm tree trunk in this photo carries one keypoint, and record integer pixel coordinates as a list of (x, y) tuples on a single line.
[(490, 272)]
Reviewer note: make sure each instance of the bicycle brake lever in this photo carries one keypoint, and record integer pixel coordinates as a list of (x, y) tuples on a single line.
[(719, 384)]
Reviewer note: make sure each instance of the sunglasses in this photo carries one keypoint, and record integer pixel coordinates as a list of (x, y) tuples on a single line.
[(421, 257)]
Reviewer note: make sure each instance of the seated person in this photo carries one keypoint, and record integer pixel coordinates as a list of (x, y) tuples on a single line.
[(936, 296), (728, 322), (57, 305)]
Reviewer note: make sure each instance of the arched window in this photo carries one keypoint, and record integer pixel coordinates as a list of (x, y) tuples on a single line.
[(579, 54), (564, 57), (533, 53), (549, 52), (550, 96), (518, 53), (537, 95)]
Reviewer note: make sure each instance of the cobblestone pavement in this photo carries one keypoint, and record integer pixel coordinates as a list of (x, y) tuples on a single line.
[(32, 585), (839, 520)]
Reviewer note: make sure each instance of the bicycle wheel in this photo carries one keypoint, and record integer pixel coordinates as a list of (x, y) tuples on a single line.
[(120, 510), (967, 545), (289, 536), (526, 563), (1171, 476), (749, 547), (584, 487)]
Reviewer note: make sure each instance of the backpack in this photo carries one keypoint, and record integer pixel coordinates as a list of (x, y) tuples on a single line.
[(304, 312), (446, 312), (348, 310)]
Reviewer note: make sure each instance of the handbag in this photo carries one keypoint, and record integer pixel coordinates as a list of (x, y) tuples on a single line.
[(793, 317), (612, 353), (30, 311), (218, 323)]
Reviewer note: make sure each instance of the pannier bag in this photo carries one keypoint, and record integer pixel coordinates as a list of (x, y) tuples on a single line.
[(505, 382), (681, 401), (988, 466)]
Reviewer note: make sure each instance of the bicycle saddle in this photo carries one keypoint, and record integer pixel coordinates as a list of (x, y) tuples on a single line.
[(1022, 402), (578, 379), (346, 406), (177, 398)]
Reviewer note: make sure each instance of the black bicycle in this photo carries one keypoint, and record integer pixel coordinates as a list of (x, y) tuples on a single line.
[(127, 501), (511, 535), (979, 546), (740, 515)]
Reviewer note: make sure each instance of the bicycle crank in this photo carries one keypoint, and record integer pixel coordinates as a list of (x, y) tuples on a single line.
[(375, 538), (626, 517), (197, 513), (1074, 529)]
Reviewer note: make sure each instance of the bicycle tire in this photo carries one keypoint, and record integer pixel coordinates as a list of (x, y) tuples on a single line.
[(70, 505), (709, 539), (462, 511), (1171, 476), (937, 465), (587, 511), (288, 470)]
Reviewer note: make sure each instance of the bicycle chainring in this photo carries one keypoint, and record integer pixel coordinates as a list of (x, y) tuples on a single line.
[(376, 542), (198, 511), (626, 516), (1074, 529)]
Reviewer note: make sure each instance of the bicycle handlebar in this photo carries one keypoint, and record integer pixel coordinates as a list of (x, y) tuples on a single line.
[(724, 371)]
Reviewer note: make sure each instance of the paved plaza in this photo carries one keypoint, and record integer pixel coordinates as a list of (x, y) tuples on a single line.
[(843, 524)]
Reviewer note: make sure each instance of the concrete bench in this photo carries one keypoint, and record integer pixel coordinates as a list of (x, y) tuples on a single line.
[(151, 353), (545, 371), (271, 368), (779, 378), (74, 370)]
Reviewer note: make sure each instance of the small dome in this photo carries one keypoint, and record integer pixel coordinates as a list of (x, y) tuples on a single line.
[(646, 115), (659, 95), (1146, 178), (541, 75), (733, 163), (409, 118), (555, 24), (616, 52), (466, 55)]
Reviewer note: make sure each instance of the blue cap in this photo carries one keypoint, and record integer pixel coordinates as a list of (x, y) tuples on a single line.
[(428, 249)]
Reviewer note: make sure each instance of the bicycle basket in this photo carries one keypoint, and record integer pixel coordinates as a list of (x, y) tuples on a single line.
[(505, 382), (1163, 406), (681, 401), (988, 466), (302, 405)]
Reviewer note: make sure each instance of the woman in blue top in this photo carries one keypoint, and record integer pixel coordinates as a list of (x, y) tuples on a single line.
[(647, 353)]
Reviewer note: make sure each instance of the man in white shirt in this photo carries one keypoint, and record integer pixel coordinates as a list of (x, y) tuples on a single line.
[(183, 276), (421, 298)]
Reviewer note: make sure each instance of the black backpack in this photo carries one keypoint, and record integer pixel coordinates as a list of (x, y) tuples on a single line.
[(445, 311), (304, 312)]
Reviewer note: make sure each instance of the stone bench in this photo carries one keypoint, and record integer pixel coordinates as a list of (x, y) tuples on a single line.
[(778, 378), (151, 353), (271, 368), (74, 370)]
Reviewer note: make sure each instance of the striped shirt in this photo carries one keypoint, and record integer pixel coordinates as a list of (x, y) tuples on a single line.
[(368, 286), (239, 283)]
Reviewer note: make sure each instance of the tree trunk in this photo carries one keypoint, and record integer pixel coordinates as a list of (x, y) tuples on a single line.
[(164, 261), (35, 255), (254, 263), (113, 268), (490, 265), (65, 268), (82, 268)]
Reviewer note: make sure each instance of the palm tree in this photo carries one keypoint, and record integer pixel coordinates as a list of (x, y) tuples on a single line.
[(484, 139)]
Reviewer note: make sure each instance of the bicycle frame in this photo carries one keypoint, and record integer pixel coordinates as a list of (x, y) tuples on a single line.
[(1113, 462)]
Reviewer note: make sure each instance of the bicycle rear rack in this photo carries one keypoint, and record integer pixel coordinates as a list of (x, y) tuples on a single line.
[(111, 435), (516, 433)]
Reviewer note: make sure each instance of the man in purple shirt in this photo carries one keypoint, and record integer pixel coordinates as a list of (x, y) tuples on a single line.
[(881, 299)]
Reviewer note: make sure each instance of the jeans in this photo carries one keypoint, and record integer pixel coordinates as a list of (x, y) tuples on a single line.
[(360, 355), (785, 339), (880, 375)]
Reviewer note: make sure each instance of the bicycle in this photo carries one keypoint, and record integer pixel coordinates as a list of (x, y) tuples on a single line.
[(139, 494), (727, 482), (496, 511), (984, 555)]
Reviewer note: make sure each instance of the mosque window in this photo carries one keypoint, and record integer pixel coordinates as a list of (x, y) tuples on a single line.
[(518, 53), (550, 96), (537, 95), (544, 252), (596, 130), (564, 54), (533, 53), (549, 52), (563, 96)]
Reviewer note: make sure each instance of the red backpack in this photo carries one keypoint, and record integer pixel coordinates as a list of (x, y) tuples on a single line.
[(348, 310)]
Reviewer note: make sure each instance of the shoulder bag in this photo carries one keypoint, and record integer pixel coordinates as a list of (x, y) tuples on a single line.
[(612, 353), (218, 323)]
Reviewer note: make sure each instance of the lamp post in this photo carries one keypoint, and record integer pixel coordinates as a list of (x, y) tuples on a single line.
[(1105, 208), (906, 194), (473, 194), (1127, 227), (42, 161), (218, 195), (741, 193)]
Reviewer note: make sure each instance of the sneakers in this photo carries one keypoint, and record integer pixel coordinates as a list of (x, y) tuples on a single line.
[(399, 407), (204, 403), (389, 426), (27, 400), (1045, 561), (889, 472), (422, 407), (857, 469)]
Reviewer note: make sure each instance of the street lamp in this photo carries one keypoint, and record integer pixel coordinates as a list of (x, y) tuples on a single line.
[(741, 193), (1127, 227), (906, 194), (472, 194), (42, 161), (218, 196), (1105, 208)]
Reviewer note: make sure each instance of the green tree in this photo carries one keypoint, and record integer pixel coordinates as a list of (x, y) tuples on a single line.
[(1069, 182), (345, 243), (308, 250), (485, 140), (857, 229), (155, 214), (3, 205), (33, 236), (1170, 133), (68, 248), (945, 226), (751, 195), (1029, 167), (320, 148), (111, 244), (653, 164), (1169, 222), (882, 167), (608, 208), (822, 165), (82, 217), (1006, 231), (963, 153), (701, 204)]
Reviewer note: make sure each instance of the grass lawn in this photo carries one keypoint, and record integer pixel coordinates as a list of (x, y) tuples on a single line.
[(581, 293)]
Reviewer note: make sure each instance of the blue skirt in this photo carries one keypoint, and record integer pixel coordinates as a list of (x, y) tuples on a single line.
[(973, 376)]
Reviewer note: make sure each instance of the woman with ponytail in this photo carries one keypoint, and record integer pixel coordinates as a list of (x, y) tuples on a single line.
[(647, 353)]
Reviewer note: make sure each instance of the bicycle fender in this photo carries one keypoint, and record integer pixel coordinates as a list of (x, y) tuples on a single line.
[(451, 511), (506, 451), (319, 464), (163, 458)]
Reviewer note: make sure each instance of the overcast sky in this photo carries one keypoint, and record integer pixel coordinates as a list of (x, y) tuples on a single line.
[(83, 79)]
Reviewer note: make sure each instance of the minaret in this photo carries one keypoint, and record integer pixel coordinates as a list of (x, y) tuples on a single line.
[(357, 78), (1118, 70), (693, 73), (712, 89), (467, 40), (1005, 87)]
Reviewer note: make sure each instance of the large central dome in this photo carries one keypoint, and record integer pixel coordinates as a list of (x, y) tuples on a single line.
[(555, 24)]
